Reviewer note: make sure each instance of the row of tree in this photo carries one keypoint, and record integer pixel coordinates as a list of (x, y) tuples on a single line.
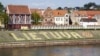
[(88, 6)]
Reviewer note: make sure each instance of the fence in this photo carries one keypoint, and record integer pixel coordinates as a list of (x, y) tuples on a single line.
[(67, 27)]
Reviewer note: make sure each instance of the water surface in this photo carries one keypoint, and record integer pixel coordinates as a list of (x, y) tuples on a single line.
[(84, 50)]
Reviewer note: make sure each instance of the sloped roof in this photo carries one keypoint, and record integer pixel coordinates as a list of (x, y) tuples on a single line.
[(59, 12), (80, 13), (18, 9), (39, 11), (86, 13), (92, 13)]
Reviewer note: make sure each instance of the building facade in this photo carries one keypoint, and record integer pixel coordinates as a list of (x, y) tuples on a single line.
[(61, 17), (48, 17), (19, 16), (87, 14)]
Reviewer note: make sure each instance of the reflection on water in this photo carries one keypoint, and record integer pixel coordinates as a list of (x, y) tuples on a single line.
[(90, 50)]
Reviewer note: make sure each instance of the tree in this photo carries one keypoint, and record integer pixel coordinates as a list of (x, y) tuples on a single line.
[(77, 8), (97, 7), (59, 8), (90, 5), (1, 14), (1, 8), (5, 19), (65, 8), (35, 18), (70, 21)]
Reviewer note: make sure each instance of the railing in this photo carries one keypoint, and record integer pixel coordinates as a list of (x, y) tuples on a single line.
[(67, 27)]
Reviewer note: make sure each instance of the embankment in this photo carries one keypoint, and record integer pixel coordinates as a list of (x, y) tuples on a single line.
[(49, 43), (35, 38)]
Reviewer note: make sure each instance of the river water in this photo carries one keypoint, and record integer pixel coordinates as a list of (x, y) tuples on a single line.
[(83, 50)]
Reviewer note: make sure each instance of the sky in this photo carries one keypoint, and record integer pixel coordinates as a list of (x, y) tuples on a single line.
[(48, 3)]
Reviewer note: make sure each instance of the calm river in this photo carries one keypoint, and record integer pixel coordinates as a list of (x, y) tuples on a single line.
[(89, 50)]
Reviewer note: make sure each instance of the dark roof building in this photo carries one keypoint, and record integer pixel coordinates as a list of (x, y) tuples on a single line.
[(88, 20)]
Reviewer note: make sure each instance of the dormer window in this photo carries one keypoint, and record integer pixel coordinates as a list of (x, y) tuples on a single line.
[(66, 15), (58, 13)]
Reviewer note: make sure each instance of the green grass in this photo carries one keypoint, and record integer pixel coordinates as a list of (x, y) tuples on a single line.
[(6, 37)]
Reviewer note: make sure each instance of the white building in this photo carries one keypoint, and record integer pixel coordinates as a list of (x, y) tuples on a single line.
[(76, 16), (61, 17), (62, 20), (85, 21)]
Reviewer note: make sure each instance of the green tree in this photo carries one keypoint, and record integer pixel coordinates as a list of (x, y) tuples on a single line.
[(59, 8), (5, 19), (1, 13), (90, 5), (1, 8), (97, 7), (35, 18)]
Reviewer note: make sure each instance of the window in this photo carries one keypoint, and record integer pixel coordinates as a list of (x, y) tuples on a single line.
[(66, 20), (61, 19), (11, 19), (66, 15), (16, 19), (45, 19), (57, 19), (50, 19), (22, 18)]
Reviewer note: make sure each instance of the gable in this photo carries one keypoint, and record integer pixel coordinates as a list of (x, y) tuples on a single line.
[(18, 9)]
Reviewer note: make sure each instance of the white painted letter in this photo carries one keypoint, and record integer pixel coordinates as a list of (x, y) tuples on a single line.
[(67, 35), (27, 37), (34, 36), (76, 35), (16, 38), (44, 34)]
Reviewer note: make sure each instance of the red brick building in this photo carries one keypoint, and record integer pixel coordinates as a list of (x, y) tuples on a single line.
[(19, 16)]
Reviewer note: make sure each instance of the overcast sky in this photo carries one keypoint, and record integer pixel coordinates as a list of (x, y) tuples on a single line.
[(48, 3)]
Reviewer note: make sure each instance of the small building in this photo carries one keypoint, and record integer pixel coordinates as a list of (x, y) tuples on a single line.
[(89, 21), (19, 16), (48, 17), (61, 17), (77, 15)]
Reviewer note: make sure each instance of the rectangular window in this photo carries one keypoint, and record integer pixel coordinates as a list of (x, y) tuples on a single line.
[(61, 19), (57, 19), (27, 19), (22, 19), (16, 20), (66, 15)]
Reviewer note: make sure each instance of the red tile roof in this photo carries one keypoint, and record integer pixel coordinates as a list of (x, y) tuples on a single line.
[(93, 13), (18, 9), (80, 13), (39, 11), (59, 12), (86, 13)]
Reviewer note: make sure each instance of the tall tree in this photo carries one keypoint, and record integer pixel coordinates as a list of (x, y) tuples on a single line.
[(70, 21), (90, 5), (97, 7), (1, 14), (59, 8), (35, 18), (65, 8), (1, 7), (5, 19)]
